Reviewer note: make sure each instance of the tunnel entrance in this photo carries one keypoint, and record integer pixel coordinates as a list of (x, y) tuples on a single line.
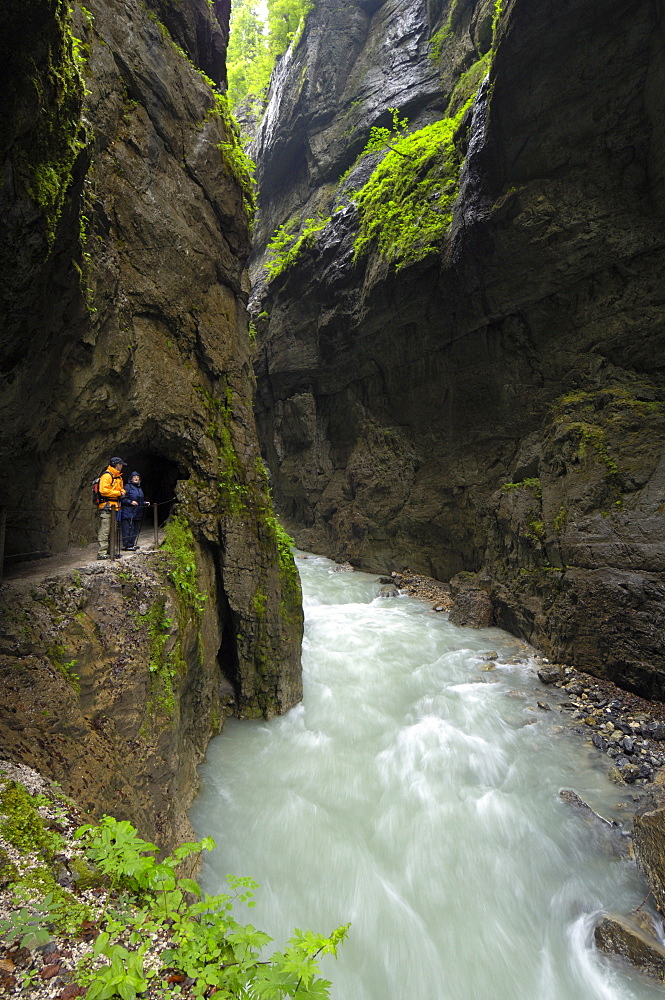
[(159, 478)]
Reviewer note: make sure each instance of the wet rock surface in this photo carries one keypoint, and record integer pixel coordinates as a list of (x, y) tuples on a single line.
[(626, 728), (112, 686), (635, 939), (502, 406), (128, 334)]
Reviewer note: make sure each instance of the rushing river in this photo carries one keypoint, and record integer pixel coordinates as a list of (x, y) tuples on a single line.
[(414, 792)]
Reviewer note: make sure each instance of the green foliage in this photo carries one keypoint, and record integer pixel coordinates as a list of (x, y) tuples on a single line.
[(26, 926), (254, 46), (56, 655), (287, 243), (179, 544), (236, 160), (124, 976), (23, 827), (380, 138), (205, 942), (532, 483), (249, 62), (405, 207)]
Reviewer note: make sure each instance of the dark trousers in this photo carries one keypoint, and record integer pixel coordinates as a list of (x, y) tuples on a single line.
[(130, 530)]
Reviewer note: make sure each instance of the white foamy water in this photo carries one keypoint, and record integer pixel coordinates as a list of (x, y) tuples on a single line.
[(416, 795)]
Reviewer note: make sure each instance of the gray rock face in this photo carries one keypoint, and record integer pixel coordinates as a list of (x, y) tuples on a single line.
[(635, 940), (649, 842), (501, 406), (127, 334)]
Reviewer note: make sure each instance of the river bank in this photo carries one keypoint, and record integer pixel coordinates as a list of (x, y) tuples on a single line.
[(627, 728)]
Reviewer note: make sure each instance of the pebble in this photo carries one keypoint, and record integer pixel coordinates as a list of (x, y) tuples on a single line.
[(625, 727)]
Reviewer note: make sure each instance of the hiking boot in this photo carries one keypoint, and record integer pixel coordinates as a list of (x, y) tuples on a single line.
[(103, 557)]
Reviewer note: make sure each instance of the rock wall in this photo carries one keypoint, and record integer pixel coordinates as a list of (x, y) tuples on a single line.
[(124, 221), (497, 407), (114, 677)]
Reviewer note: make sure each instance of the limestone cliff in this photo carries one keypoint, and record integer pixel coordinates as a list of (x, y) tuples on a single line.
[(497, 404), (124, 215)]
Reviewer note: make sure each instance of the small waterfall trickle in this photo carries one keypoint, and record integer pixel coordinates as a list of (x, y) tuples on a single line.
[(473, 202)]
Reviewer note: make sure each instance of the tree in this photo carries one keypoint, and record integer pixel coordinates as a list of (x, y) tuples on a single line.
[(254, 45)]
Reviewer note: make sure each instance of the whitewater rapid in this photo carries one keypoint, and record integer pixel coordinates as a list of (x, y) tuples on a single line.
[(415, 793)]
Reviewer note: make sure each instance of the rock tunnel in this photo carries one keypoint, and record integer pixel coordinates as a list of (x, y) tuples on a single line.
[(39, 523)]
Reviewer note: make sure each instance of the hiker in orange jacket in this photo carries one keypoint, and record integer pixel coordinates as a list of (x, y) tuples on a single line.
[(111, 489)]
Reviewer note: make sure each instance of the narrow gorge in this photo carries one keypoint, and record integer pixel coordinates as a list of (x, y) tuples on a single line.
[(475, 386), (401, 304)]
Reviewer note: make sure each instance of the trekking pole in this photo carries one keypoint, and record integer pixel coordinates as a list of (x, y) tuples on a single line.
[(113, 533), (155, 525)]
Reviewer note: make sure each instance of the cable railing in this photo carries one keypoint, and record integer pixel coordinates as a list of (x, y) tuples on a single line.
[(10, 518)]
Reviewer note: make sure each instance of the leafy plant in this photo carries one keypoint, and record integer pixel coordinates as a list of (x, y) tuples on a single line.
[(206, 942), (124, 976), (382, 138), (254, 45), (287, 243), (27, 926)]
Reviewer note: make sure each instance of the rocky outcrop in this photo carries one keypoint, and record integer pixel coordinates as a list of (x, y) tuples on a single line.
[(649, 841), (112, 688), (124, 311), (114, 677), (636, 940), (499, 405)]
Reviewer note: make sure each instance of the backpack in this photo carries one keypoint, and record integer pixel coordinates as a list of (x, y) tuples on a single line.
[(97, 498)]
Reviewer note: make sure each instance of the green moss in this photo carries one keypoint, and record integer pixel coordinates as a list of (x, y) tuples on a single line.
[(23, 827), (48, 132), (259, 603), (405, 207), (560, 520), (86, 875), (439, 37), (535, 530), (161, 669), (288, 242), (468, 84), (67, 668), (179, 545), (498, 11), (237, 162), (291, 602), (532, 484), (65, 912)]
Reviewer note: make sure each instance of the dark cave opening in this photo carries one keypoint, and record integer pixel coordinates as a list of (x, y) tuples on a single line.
[(159, 477)]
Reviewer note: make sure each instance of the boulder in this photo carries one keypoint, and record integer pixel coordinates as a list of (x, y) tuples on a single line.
[(649, 841), (634, 939), (472, 608), (550, 674)]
